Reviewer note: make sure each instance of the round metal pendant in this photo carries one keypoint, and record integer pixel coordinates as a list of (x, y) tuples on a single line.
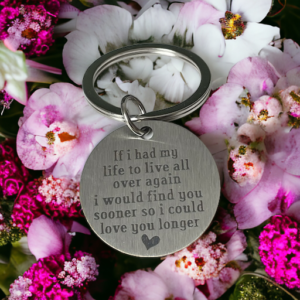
[(151, 197)]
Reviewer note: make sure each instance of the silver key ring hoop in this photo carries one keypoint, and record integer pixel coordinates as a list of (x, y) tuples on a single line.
[(168, 114), (145, 132)]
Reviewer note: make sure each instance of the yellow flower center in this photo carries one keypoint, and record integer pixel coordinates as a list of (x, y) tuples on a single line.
[(263, 115), (232, 25), (51, 137)]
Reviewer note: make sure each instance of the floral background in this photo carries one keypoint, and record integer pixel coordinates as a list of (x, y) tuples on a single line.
[(250, 123)]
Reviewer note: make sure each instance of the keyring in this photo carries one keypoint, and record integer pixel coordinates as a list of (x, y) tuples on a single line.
[(152, 191), (168, 114), (145, 132)]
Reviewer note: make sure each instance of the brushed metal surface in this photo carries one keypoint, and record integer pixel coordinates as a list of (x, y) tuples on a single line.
[(150, 197)]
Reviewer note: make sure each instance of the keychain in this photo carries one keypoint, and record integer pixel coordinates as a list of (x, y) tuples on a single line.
[(153, 189)]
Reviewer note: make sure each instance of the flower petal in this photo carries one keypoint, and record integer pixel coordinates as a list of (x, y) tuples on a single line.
[(109, 23), (220, 112), (253, 209), (17, 90), (255, 37), (209, 42), (32, 154), (179, 285), (218, 286), (147, 28), (168, 84), (236, 245), (139, 285), (145, 94), (251, 11), (68, 11), (280, 60), (220, 5), (193, 15), (138, 68), (76, 56), (293, 49), (71, 165), (294, 211), (46, 237), (256, 74), (284, 149), (292, 78)]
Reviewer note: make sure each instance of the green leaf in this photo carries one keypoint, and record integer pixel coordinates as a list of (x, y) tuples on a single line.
[(19, 262)]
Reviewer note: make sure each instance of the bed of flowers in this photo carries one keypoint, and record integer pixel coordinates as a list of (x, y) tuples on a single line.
[(250, 123)]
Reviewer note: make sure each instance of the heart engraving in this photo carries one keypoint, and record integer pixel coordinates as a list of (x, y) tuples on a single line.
[(150, 243)]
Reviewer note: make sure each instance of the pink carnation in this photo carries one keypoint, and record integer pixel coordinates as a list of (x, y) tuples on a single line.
[(280, 250), (47, 278), (31, 204), (13, 175), (29, 27)]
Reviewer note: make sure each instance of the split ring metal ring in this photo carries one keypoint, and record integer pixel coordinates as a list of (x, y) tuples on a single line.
[(145, 132), (168, 114)]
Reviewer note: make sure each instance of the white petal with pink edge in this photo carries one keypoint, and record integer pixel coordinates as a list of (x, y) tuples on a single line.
[(193, 15)]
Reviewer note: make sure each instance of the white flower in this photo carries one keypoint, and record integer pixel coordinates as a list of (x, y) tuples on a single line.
[(196, 24)]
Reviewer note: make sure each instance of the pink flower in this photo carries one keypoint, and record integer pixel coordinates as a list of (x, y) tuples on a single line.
[(245, 165), (29, 27), (81, 269), (266, 112), (31, 204), (161, 284), (13, 175), (203, 260), (59, 130), (61, 191), (280, 250), (213, 266), (19, 290), (47, 278), (251, 109)]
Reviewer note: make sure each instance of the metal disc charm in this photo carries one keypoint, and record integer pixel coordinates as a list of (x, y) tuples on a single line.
[(150, 197)]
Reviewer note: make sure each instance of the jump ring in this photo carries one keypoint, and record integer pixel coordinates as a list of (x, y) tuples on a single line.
[(144, 132)]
